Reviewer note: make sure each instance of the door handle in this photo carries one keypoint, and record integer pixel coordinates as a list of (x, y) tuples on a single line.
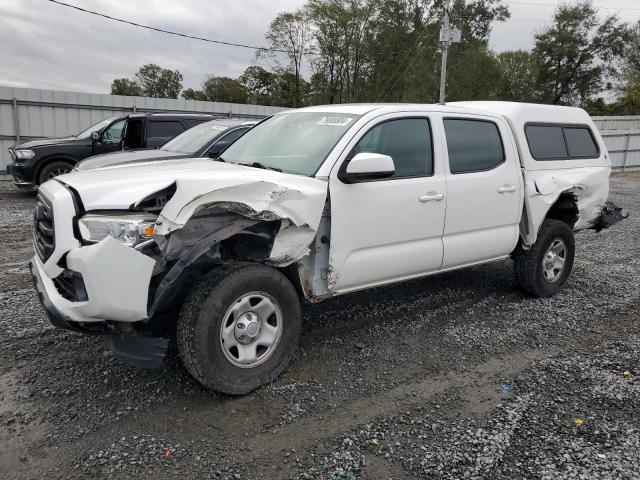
[(507, 188), (431, 197)]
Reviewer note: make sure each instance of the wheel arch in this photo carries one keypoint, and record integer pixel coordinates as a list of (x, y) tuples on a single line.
[(55, 157)]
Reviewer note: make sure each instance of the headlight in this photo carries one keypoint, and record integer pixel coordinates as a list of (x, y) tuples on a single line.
[(130, 229), (25, 154)]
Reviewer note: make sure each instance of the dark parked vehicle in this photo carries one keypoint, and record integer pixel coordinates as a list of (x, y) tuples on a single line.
[(205, 140), (36, 161)]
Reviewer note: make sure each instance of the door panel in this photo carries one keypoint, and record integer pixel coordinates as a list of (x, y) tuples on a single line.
[(387, 230), (111, 139), (483, 207)]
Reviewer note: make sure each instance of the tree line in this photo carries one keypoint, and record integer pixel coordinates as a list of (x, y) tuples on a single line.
[(338, 51)]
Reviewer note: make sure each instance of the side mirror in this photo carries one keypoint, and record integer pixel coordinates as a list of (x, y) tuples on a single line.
[(95, 136), (368, 166), (218, 148)]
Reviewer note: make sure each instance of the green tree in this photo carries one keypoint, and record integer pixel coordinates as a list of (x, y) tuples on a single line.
[(224, 89), (577, 54), (518, 73), (629, 89), (289, 33), (124, 86), (191, 94), (474, 74), (158, 82), (260, 85)]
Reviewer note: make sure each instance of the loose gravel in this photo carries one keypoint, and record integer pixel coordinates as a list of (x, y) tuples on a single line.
[(458, 375)]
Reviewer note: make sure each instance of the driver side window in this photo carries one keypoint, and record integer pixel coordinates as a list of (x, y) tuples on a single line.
[(406, 140), (114, 132)]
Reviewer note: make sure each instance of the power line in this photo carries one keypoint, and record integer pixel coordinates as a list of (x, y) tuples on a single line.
[(155, 29)]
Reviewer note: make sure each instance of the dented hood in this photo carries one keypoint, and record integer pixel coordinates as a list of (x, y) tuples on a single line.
[(119, 187)]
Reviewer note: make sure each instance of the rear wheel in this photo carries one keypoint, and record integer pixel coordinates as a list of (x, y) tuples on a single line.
[(544, 268), (239, 328), (53, 169)]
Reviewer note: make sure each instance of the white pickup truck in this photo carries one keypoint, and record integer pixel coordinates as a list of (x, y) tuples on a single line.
[(309, 204)]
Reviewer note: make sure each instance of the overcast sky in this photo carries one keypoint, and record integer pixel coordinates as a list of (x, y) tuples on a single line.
[(43, 45)]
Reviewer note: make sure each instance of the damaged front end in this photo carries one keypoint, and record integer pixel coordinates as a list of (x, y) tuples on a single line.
[(255, 221)]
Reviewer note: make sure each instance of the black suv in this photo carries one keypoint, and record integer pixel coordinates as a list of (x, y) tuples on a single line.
[(208, 139), (36, 161)]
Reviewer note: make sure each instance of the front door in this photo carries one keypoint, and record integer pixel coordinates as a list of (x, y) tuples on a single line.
[(110, 139), (390, 229), (484, 191)]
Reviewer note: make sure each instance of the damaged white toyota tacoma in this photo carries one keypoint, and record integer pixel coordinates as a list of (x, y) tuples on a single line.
[(310, 204)]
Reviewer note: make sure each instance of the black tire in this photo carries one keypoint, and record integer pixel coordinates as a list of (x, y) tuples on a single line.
[(529, 269), (53, 169), (202, 315)]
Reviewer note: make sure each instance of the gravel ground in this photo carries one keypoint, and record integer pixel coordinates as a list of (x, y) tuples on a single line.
[(458, 375)]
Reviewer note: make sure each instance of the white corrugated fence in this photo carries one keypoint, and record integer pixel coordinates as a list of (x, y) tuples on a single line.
[(622, 136)]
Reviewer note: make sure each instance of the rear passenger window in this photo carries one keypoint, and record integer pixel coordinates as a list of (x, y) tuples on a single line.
[(407, 141), (167, 129), (580, 143), (546, 142), (473, 145), (561, 142)]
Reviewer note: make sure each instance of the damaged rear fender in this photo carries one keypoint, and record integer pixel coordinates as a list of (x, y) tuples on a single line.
[(589, 187)]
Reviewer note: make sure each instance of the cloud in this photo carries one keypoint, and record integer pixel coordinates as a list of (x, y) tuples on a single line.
[(43, 45)]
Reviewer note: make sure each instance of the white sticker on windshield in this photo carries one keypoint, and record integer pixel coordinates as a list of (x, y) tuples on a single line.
[(335, 121), (218, 127)]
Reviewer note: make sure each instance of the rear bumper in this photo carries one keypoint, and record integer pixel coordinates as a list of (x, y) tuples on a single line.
[(610, 215)]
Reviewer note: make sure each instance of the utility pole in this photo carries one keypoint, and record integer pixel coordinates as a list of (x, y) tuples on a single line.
[(446, 41)]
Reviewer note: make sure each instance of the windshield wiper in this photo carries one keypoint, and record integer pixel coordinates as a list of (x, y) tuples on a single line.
[(260, 165)]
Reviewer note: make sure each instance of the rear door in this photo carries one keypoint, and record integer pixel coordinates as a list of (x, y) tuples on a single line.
[(390, 229), (485, 190)]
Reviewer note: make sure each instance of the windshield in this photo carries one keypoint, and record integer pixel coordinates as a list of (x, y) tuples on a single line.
[(96, 128), (296, 142), (195, 138)]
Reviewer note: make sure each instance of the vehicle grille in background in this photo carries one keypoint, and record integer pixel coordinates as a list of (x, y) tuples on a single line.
[(43, 235)]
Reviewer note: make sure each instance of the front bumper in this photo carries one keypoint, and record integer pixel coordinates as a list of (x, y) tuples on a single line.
[(133, 349), (55, 316), (116, 278), (19, 177)]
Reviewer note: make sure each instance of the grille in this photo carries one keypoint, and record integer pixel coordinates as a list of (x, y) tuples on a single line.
[(44, 235)]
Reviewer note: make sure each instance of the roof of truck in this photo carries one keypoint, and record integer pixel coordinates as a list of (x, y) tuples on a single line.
[(517, 112)]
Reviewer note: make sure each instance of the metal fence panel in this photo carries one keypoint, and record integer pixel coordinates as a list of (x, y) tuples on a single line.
[(623, 146), (50, 113), (617, 123)]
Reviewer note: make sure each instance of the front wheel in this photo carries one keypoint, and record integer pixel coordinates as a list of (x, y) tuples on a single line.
[(53, 169), (239, 328), (544, 268)]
